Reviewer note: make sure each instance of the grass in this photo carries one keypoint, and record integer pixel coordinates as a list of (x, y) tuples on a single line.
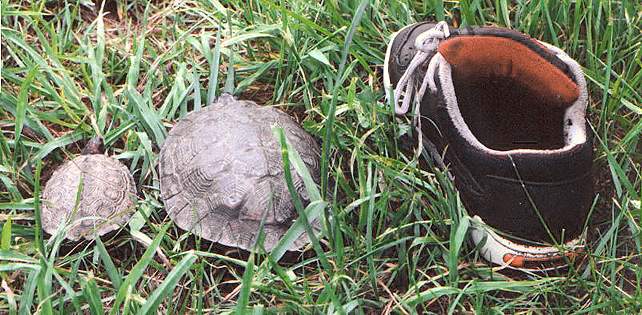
[(396, 241)]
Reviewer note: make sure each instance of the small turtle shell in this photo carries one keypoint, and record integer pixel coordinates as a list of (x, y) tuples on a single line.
[(106, 201), (221, 171)]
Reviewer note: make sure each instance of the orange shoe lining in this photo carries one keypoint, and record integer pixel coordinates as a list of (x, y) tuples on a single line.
[(479, 57)]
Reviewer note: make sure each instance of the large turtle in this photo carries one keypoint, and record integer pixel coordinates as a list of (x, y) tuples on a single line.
[(221, 170), (93, 193)]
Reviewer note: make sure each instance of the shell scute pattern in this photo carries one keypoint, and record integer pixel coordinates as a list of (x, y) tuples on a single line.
[(233, 176), (106, 200), (197, 181)]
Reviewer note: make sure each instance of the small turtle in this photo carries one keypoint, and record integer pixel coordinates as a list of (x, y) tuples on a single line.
[(93, 193), (221, 171)]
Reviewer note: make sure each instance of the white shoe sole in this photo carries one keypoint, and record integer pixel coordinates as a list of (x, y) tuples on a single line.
[(506, 253)]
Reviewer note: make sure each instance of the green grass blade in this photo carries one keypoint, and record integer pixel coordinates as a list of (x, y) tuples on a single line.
[(246, 286), (313, 210), (21, 109), (62, 141), (229, 80), (5, 244), (285, 149), (329, 125), (137, 271), (92, 296), (168, 285), (37, 211), (214, 62), (112, 272), (29, 288), (196, 89), (456, 241)]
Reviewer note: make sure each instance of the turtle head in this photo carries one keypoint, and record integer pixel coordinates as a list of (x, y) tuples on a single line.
[(226, 98), (94, 146)]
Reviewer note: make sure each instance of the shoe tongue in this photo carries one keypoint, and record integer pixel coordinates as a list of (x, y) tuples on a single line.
[(485, 57)]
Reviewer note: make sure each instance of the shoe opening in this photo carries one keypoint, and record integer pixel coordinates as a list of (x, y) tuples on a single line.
[(509, 95)]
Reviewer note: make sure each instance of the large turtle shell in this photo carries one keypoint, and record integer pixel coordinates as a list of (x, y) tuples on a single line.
[(221, 170), (107, 197)]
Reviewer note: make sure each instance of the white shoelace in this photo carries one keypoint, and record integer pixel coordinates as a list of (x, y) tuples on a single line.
[(426, 43)]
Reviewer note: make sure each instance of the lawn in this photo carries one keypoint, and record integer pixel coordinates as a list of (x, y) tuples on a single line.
[(396, 242)]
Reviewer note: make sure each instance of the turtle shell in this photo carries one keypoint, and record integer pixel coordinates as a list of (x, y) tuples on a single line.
[(221, 171), (107, 197)]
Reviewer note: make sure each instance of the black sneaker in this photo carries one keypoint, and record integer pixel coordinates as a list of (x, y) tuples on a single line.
[(505, 114)]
